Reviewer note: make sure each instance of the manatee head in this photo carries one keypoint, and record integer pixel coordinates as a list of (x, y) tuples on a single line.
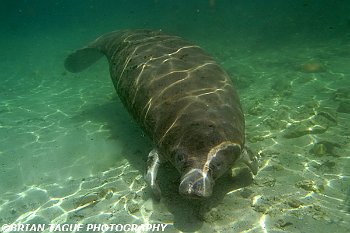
[(199, 171)]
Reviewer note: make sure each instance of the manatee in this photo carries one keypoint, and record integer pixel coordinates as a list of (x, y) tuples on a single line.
[(181, 98)]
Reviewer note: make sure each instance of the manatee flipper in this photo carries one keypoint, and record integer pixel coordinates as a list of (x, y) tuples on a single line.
[(153, 163), (250, 160), (82, 59)]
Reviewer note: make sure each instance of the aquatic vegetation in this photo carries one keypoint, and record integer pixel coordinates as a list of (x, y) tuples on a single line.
[(312, 67)]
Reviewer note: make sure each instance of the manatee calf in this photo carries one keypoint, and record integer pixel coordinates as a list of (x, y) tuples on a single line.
[(181, 98)]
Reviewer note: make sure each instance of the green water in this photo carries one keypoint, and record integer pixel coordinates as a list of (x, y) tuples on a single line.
[(69, 152)]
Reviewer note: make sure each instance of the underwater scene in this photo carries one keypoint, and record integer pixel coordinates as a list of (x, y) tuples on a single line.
[(71, 155)]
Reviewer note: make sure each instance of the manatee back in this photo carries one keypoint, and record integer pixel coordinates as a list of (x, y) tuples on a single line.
[(176, 92)]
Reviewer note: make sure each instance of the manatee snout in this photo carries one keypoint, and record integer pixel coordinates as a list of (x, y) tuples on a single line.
[(196, 184), (198, 181)]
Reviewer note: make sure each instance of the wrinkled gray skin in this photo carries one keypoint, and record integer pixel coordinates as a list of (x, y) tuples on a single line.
[(181, 98)]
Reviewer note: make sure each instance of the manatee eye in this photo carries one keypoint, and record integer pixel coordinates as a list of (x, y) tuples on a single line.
[(217, 167), (179, 158), (216, 164)]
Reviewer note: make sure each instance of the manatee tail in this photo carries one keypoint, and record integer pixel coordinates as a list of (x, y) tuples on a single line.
[(82, 59)]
